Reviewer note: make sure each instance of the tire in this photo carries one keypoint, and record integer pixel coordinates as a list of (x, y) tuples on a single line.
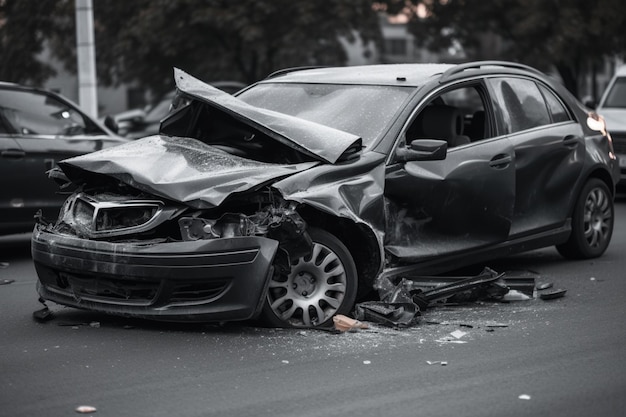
[(592, 222), (317, 288)]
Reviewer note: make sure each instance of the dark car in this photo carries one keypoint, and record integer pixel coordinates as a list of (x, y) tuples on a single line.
[(37, 129), (314, 186), (137, 123)]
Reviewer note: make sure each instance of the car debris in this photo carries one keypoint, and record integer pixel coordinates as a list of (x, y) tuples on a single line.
[(347, 324), (544, 286), (43, 314), (85, 409), (401, 303), (551, 295), (7, 281)]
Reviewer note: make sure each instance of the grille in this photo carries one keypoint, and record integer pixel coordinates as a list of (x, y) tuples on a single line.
[(198, 291), (619, 143), (108, 289)]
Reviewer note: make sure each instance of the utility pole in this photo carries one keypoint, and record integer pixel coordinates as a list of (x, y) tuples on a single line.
[(86, 58)]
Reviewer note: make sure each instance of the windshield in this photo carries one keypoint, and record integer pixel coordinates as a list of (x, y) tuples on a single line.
[(33, 113), (363, 110), (617, 95)]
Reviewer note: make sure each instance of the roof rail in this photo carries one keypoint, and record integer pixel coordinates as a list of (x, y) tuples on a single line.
[(293, 69), (479, 64)]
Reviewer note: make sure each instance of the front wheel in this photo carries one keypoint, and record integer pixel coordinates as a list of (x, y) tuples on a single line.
[(592, 222), (318, 287)]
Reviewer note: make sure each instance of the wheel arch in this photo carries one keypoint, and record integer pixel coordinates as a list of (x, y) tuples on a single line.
[(359, 239)]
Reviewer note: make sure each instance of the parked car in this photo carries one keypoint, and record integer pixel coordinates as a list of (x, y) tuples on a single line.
[(612, 107), (138, 123), (311, 187), (37, 129)]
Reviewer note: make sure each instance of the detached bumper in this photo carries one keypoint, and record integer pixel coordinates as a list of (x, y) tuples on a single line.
[(206, 280)]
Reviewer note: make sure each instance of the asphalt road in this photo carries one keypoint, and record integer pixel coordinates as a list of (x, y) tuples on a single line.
[(565, 357)]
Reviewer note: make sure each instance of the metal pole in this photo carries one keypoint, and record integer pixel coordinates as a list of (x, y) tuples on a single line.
[(86, 58)]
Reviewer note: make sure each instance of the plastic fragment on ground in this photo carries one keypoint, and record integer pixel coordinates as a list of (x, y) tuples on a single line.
[(457, 334), (94, 324), (514, 295), (388, 314), (524, 397), (551, 295), (346, 324), (4, 265), (7, 281), (442, 363), (544, 286), (43, 315), (85, 409)]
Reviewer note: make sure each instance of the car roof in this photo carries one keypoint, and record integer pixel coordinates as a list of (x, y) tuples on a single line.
[(412, 75)]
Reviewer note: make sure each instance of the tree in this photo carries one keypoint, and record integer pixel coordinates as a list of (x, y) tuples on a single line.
[(570, 35), (24, 27), (140, 41)]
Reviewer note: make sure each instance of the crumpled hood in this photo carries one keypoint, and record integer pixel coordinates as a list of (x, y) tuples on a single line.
[(180, 169), (318, 141)]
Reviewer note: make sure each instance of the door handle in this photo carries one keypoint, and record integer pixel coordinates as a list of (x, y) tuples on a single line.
[(500, 161), (571, 141), (13, 153)]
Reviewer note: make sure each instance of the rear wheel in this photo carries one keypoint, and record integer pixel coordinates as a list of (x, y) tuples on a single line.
[(318, 287), (592, 222)]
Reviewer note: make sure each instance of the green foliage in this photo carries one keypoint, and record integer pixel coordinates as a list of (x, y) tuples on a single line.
[(571, 35), (24, 25), (140, 41)]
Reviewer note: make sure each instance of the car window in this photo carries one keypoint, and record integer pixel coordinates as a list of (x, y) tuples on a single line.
[(32, 113), (456, 116), (521, 103), (616, 97), (558, 111), (363, 110)]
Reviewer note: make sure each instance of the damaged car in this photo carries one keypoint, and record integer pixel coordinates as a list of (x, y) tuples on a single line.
[(313, 187)]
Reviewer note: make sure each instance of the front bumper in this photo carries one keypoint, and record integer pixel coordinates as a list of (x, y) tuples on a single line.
[(204, 280)]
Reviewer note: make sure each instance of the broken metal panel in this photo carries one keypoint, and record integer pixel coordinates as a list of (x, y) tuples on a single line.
[(402, 300), (179, 169), (352, 190), (325, 143)]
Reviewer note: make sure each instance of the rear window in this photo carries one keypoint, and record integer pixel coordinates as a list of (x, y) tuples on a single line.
[(616, 97), (363, 110)]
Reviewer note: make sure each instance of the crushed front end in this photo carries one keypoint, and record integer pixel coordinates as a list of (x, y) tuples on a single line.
[(136, 255)]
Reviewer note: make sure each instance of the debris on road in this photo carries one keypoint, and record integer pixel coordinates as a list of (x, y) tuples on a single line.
[(442, 363), (524, 397), (403, 299), (85, 409), (551, 295), (6, 281), (544, 286), (4, 265), (388, 314), (347, 324), (44, 314)]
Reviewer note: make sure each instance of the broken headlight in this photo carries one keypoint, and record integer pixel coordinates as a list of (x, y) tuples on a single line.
[(110, 215)]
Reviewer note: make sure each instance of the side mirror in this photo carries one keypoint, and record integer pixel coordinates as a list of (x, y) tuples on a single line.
[(423, 150), (111, 124)]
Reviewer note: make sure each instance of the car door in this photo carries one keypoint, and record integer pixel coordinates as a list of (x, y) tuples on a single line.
[(461, 203), (549, 152), (44, 129), (12, 213)]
